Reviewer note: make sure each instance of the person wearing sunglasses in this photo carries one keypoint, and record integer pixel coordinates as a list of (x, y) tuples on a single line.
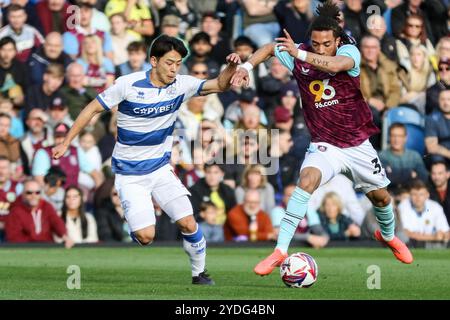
[(32, 219), (432, 93)]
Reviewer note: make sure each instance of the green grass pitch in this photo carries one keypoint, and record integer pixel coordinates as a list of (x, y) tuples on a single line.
[(164, 273)]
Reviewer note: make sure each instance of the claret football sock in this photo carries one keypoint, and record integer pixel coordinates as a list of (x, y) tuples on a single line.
[(295, 211), (194, 245), (385, 218)]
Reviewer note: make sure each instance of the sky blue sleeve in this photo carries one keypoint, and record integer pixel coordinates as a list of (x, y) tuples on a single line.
[(85, 165), (70, 44), (351, 51), (107, 43), (285, 58), (41, 163), (108, 65)]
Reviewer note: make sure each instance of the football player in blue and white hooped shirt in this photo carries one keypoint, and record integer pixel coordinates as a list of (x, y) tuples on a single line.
[(148, 104)]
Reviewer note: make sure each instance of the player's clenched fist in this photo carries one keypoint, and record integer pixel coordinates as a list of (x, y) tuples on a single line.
[(59, 150), (240, 77)]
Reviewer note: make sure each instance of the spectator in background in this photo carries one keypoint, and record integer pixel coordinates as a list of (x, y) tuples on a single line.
[(58, 113), (246, 99), (355, 19), (99, 19), (200, 51), (418, 79), (89, 145), (337, 225), (73, 38), (212, 231), (211, 188), (289, 166), (270, 85), (32, 219), (170, 26), (260, 23), (16, 130), (183, 10), (377, 27), (309, 229), (53, 190), (37, 136), (414, 33), (30, 9), (443, 48), (212, 25), (380, 84), (9, 191), (110, 219), (121, 37), (437, 130), (10, 147), (294, 16), (137, 14), (42, 95), (98, 68), (401, 164), (255, 178), (198, 171), (248, 222), (25, 36), (135, 61), (76, 94), (50, 52), (53, 15), (14, 76), (81, 226), (245, 47), (432, 93), (71, 163), (439, 186), (423, 219), (400, 16)]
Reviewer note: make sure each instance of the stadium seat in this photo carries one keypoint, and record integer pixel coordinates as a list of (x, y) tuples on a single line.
[(414, 123)]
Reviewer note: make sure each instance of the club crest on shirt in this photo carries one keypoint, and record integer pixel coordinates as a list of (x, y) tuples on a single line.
[(322, 148), (171, 90), (304, 70), (11, 197), (73, 160)]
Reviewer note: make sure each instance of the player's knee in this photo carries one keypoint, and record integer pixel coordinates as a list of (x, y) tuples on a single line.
[(145, 237), (187, 224), (309, 182), (380, 199)]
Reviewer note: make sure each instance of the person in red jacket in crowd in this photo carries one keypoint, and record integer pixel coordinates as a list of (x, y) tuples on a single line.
[(247, 222), (32, 219)]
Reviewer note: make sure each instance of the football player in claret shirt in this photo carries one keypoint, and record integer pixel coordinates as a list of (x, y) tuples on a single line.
[(340, 123)]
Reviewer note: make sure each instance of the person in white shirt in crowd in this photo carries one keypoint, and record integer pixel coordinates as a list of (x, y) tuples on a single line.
[(81, 226), (89, 146), (121, 38), (423, 219)]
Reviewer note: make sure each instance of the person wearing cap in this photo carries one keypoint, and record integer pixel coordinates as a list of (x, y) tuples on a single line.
[(58, 112), (72, 162), (50, 52), (73, 38), (212, 25), (26, 37), (37, 135), (42, 95), (200, 47), (137, 54), (121, 37), (137, 14), (432, 93), (234, 112), (170, 25)]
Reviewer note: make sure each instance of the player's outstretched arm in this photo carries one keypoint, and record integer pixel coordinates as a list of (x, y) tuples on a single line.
[(222, 82), (241, 76), (93, 108), (331, 64)]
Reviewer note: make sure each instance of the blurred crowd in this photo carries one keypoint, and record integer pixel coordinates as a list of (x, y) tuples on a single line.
[(57, 55)]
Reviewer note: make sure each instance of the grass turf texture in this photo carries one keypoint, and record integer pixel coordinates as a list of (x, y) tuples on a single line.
[(164, 273)]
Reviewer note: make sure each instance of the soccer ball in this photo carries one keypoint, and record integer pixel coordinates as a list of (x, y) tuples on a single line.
[(299, 270)]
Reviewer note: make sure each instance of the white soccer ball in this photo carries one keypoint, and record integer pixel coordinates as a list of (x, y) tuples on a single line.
[(299, 270)]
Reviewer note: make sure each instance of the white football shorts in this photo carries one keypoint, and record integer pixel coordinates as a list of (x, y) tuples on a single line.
[(360, 164), (136, 194)]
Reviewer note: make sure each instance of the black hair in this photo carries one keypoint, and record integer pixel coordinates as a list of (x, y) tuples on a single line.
[(437, 162), (15, 7), (208, 165), (200, 36), (81, 212), (164, 43), (244, 41), (207, 204), (328, 19), (4, 158), (5, 115), (396, 125), (55, 174), (6, 40), (417, 184)]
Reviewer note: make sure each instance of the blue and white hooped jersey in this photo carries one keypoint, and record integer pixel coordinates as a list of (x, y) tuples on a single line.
[(145, 120)]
